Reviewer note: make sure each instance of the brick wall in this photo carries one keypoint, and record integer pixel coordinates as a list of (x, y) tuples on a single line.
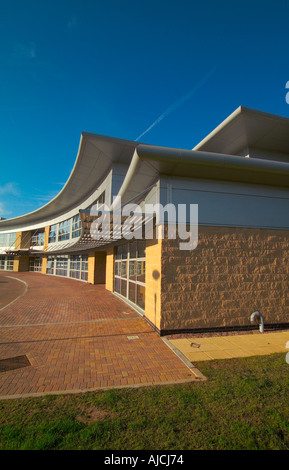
[(232, 273)]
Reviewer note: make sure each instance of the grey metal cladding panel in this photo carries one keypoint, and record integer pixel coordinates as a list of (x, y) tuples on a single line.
[(153, 196), (237, 210), (224, 186), (117, 181), (116, 149)]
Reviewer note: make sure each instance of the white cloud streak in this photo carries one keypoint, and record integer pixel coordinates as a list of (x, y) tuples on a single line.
[(178, 103), (9, 189), (3, 211)]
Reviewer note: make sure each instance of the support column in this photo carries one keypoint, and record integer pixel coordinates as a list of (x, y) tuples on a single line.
[(23, 240), (109, 269), (153, 280), (44, 264), (45, 246), (21, 264), (96, 267)]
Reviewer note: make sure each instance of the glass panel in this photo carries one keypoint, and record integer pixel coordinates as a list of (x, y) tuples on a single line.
[(132, 270), (117, 285), (12, 239), (64, 230), (117, 268), (35, 264), (140, 296), (123, 269), (61, 266), (52, 234), (10, 263), (133, 266), (140, 271), (123, 287), (37, 239), (132, 291), (50, 265), (7, 239), (76, 226)]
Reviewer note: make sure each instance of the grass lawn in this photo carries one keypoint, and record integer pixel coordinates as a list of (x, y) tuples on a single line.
[(244, 404)]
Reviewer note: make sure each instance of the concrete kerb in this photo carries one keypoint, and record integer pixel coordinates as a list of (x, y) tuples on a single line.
[(97, 389), (196, 372)]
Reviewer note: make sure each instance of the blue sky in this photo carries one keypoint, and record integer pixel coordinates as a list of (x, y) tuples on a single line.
[(168, 71)]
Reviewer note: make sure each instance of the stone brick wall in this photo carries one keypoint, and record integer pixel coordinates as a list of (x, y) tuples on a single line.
[(232, 273)]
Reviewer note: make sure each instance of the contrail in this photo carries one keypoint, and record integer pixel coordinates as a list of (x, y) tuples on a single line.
[(178, 103)]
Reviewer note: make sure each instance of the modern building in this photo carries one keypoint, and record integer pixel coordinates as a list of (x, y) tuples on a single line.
[(239, 178)]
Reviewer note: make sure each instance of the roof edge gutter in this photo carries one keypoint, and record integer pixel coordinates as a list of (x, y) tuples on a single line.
[(237, 168), (209, 159)]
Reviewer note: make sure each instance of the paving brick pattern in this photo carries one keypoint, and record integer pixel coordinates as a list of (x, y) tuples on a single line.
[(227, 347), (79, 337)]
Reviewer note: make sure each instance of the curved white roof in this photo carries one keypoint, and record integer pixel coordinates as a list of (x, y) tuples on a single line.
[(216, 157), (95, 156)]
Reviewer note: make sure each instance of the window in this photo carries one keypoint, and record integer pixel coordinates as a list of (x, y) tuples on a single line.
[(35, 264), (73, 266), (7, 239), (64, 230), (129, 272), (37, 239), (6, 263), (52, 234), (50, 265), (61, 265), (70, 228), (76, 226), (79, 267)]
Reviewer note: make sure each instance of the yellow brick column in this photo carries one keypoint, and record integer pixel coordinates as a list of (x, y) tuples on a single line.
[(153, 280), (16, 264), (45, 247), (91, 267), (44, 264), (46, 238), (17, 247), (109, 269), (23, 240), (18, 240)]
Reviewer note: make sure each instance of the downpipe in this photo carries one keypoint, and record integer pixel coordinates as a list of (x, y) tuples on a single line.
[(257, 316)]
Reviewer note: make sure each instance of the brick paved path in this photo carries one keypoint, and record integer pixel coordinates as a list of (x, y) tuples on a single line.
[(78, 337)]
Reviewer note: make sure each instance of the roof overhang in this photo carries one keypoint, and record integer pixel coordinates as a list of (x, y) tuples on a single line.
[(146, 163), (96, 154), (247, 129), (150, 162)]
